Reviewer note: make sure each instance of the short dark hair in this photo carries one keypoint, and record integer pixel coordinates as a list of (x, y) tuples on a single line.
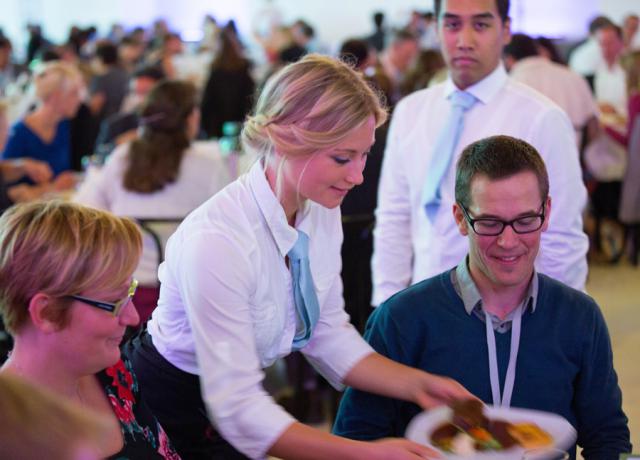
[(378, 18), (4, 42), (498, 157), (598, 23), (521, 46), (616, 28), (107, 52), (550, 47), (354, 51), (305, 28), (166, 38), (49, 54), (502, 5)]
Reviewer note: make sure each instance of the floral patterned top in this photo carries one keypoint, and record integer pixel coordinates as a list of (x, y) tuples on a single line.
[(143, 435)]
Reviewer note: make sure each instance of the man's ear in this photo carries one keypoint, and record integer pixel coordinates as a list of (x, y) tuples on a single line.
[(461, 222), (40, 313), (547, 213), (506, 32)]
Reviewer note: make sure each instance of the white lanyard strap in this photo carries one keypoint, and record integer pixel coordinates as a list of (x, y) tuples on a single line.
[(494, 375)]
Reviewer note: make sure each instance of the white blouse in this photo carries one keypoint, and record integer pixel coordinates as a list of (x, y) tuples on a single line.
[(226, 306), (203, 172)]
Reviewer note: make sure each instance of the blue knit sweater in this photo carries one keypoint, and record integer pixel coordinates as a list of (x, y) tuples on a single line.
[(565, 363)]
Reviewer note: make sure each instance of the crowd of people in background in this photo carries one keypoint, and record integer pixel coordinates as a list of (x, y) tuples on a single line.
[(119, 67), (158, 114)]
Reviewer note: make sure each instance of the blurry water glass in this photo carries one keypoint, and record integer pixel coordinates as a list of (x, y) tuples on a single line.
[(230, 141), (545, 454), (93, 161), (231, 128)]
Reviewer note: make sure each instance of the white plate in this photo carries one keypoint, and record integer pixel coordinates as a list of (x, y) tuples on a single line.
[(423, 424)]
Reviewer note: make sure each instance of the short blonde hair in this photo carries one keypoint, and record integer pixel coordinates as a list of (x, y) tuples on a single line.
[(61, 248), (310, 105), (55, 76)]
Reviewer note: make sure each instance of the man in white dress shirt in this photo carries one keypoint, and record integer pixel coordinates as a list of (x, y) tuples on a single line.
[(585, 57), (610, 80), (409, 246), (559, 83)]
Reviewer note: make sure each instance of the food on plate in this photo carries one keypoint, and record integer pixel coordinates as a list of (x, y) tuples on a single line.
[(468, 413), (530, 435), (470, 431)]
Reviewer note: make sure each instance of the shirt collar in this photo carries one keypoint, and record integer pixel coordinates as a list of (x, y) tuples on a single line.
[(273, 213), (485, 89), (470, 294)]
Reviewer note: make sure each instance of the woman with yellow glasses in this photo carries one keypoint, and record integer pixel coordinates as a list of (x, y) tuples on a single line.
[(65, 296)]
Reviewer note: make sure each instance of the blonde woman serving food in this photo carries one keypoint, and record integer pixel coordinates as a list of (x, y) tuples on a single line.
[(254, 274)]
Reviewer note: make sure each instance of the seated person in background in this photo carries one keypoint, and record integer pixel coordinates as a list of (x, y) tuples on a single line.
[(37, 172), (460, 321), (65, 296), (163, 57), (162, 174), (122, 127), (109, 87), (35, 423), (43, 134)]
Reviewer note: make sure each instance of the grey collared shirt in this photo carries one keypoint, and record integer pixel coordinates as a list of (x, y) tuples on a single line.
[(468, 292)]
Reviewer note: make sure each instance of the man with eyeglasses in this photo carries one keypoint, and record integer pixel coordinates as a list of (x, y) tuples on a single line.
[(510, 335)]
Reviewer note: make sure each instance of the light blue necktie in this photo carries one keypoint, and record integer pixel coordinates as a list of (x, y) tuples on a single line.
[(304, 292), (443, 152)]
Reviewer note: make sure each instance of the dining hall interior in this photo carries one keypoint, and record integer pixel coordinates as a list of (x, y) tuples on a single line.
[(308, 230)]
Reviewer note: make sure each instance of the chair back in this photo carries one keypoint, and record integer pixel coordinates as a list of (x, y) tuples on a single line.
[(158, 230)]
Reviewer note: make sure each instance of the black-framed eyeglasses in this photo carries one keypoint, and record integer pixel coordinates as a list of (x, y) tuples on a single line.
[(489, 226), (113, 308)]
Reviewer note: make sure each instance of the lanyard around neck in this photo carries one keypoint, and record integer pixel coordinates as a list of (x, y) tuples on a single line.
[(510, 378)]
